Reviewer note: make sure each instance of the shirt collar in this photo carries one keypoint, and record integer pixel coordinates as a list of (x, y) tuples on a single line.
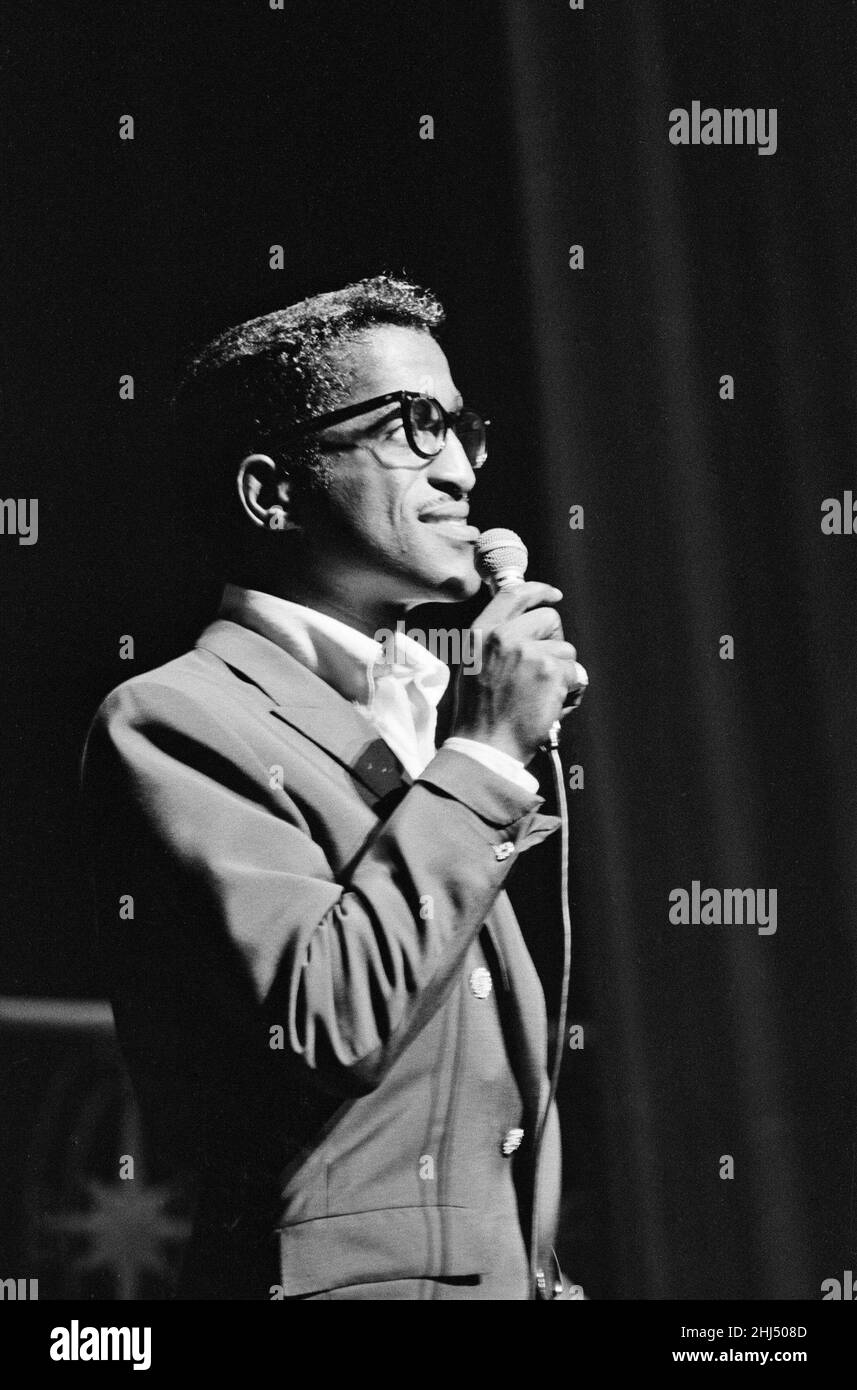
[(346, 659)]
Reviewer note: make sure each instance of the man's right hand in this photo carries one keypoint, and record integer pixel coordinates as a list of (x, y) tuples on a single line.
[(527, 672)]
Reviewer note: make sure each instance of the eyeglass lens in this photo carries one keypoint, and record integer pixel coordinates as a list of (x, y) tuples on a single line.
[(429, 429)]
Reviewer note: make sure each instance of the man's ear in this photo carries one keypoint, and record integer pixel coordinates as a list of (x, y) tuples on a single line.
[(264, 491)]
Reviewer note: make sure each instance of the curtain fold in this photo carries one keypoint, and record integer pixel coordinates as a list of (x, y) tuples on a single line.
[(722, 1062)]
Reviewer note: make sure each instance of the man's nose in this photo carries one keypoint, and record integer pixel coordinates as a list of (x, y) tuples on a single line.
[(452, 466)]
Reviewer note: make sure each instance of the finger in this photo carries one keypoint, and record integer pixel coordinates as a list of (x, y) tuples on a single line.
[(577, 689), (581, 678), (562, 650), (517, 598), (536, 625)]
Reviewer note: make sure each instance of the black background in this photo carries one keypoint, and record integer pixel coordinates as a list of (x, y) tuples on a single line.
[(257, 127)]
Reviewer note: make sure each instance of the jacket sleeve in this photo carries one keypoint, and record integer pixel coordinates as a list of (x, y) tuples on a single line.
[(348, 968)]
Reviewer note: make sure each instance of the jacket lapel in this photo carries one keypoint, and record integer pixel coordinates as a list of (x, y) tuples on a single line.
[(307, 703)]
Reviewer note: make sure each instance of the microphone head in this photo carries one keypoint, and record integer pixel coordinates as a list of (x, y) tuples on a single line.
[(500, 552)]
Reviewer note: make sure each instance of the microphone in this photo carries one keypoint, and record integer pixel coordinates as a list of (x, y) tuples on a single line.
[(501, 560)]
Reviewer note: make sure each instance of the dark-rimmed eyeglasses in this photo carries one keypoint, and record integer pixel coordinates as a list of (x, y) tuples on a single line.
[(425, 420)]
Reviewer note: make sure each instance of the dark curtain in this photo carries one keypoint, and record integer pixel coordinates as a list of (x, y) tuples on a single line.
[(702, 518)]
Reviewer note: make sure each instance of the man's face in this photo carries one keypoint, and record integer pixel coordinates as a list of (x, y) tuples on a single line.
[(392, 526)]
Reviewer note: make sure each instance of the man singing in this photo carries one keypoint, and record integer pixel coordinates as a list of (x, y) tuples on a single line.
[(324, 998)]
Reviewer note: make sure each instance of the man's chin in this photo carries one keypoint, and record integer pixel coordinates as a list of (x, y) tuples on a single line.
[(451, 588)]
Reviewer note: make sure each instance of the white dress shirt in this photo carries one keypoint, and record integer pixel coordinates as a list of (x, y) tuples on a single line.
[(399, 696)]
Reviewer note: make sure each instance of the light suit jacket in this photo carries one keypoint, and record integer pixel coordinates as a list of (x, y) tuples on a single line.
[(323, 995)]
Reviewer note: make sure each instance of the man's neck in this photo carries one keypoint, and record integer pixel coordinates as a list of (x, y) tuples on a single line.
[(368, 619)]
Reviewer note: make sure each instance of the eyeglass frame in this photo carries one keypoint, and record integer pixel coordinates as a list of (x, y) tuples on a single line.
[(350, 412)]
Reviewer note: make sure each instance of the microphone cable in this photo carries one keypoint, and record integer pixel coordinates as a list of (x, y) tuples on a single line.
[(552, 749)]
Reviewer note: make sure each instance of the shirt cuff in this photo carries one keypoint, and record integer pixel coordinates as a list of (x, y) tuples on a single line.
[(496, 761)]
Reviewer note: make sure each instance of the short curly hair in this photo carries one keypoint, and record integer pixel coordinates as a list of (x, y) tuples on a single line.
[(250, 387)]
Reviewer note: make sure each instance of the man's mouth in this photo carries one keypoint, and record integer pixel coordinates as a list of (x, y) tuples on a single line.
[(452, 523)]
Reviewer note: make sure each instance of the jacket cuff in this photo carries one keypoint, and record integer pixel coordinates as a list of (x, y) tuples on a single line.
[(495, 761), (494, 798)]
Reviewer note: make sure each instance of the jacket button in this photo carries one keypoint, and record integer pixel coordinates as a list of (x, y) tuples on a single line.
[(481, 983), (512, 1141)]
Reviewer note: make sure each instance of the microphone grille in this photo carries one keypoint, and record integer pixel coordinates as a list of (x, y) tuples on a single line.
[(499, 549)]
